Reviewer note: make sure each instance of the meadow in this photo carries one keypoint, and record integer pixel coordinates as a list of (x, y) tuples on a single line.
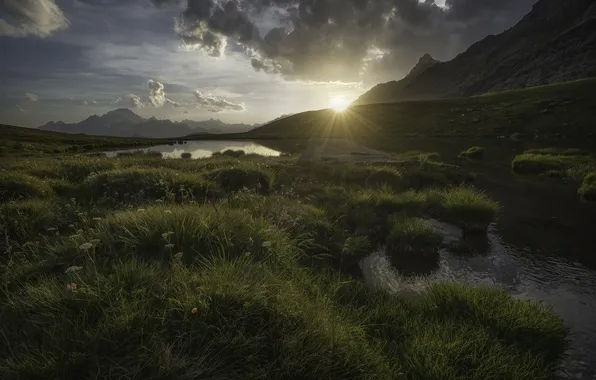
[(247, 267)]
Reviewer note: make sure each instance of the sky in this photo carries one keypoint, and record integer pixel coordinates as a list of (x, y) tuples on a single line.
[(235, 60)]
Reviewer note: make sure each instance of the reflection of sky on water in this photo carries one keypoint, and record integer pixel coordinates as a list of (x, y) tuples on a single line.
[(568, 287), (203, 149)]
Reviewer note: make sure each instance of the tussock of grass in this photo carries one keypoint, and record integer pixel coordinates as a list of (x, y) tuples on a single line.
[(145, 184), (15, 185), (197, 231), (186, 155), (22, 219), (571, 163), (234, 179), (466, 207), (233, 153), (475, 153), (412, 236), (357, 247), (588, 189)]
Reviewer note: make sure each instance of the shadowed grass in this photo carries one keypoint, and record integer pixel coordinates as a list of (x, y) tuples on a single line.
[(466, 207), (196, 231), (588, 189), (475, 153), (139, 184), (412, 236), (22, 219), (15, 185), (238, 178), (570, 163)]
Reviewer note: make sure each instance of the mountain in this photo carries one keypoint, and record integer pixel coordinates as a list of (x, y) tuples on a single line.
[(125, 123), (555, 42)]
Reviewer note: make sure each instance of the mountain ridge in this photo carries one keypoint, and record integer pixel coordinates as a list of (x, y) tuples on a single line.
[(555, 42), (123, 122)]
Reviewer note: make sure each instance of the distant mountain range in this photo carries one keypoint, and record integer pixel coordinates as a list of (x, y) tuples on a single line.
[(125, 123), (555, 42)]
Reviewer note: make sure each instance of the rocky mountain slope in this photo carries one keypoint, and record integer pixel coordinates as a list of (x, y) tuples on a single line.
[(125, 123), (553, 43)]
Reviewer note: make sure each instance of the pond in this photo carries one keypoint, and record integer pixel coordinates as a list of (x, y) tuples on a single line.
[(568, 287), (202, 149)]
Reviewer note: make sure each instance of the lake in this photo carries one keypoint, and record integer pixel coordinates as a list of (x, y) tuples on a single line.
[(203, 149)]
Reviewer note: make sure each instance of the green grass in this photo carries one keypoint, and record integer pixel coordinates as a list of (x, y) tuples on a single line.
[(22, 219), (588, 188), (14, 185), (475, 153), (566, 163), (410, 236), (142, 184), (140, 267)]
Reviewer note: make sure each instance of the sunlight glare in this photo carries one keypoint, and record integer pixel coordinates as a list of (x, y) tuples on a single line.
[(338, 103)]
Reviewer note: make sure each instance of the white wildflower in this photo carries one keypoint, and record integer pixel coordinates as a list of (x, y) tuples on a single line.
[(169, 246), (85, 246), (266, 244)]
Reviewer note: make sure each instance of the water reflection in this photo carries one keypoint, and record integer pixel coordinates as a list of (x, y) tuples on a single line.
[(203, 149), (568, 287)]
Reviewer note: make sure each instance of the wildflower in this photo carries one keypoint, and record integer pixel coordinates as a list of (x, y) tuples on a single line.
[(194, 310), (266, 244), (71, 225), (75, 236), (72, 269), (85, 246), (169, 246), (178, 256), (159, 201), (167, 211), (247, 254), (94, 241), (141, 210), (52, 229), (97, 219), (166, 235), (72, 286)]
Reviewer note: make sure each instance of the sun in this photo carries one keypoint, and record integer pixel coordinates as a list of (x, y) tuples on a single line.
[(338, 103)]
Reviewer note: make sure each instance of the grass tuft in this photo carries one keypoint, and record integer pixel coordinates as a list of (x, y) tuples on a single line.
[(410, 236), (588, 189), (475, 153), (15, 185)]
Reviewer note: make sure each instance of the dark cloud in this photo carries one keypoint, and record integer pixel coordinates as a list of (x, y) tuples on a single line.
[(21, 18), (326, 40), (214, 103)]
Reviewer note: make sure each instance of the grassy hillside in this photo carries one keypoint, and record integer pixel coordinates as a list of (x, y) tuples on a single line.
[(32, 142), (551, 113), (140, 267)]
